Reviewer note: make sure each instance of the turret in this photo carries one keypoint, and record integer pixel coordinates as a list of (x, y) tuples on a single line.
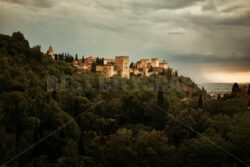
[(50, 52)]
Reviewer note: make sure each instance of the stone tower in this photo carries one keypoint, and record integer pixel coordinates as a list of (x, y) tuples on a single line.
[(121, 63), (50, 52), (155, 62)]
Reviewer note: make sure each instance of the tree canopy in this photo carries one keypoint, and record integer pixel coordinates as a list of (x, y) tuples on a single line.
[(50, 115)]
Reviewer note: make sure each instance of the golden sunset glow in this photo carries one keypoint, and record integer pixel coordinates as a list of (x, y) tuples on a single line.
[(228, 77)]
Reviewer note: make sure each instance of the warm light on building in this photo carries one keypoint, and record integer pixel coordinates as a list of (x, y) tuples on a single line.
[(120, 66)]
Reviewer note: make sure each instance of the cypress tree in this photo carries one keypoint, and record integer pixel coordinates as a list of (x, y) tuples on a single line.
[(200, 101), (81, 145), (102, 61), (160, 97), (131, 65), (235, 89), (248, 89), (97, 60)]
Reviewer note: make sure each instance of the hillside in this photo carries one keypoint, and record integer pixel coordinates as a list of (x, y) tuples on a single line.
[(87, 120)]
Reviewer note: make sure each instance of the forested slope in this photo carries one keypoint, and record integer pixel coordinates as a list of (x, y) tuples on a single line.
[(55, 116)]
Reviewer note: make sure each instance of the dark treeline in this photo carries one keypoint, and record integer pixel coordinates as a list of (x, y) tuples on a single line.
[(69, 58), (139, 123), (99, 61), (66, 57)]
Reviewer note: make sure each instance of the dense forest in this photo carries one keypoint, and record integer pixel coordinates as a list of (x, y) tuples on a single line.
[(51, 115)]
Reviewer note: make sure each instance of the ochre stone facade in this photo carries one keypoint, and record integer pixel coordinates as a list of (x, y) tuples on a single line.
[(120, 66), (106, 70), (155, 62)]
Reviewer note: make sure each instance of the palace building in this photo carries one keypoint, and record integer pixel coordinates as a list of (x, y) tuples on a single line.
[(119, 66)]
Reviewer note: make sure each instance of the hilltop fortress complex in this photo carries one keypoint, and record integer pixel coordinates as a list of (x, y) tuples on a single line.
[(119, 66)]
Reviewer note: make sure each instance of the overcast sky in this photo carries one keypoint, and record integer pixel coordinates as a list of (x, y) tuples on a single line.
[(207, 40)]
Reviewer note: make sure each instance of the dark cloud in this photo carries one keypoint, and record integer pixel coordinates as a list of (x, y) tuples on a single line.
[(232, 8), (176, 33), (210, 59), (35, 3), (236, 64), (145, 5), (163, 4), (238, 20), (209, 6)]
